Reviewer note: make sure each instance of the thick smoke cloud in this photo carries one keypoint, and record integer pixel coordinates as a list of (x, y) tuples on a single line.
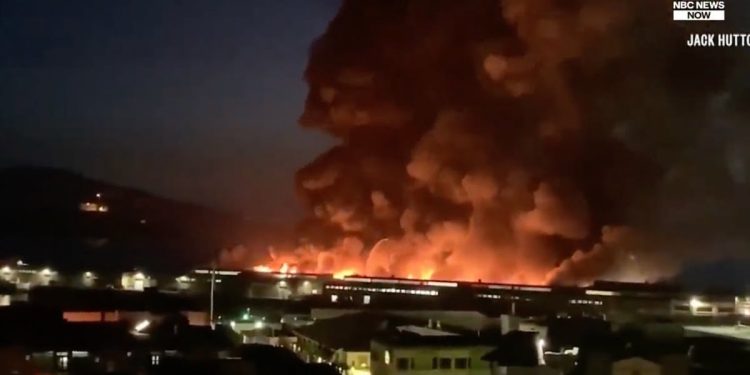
[(519, 141)]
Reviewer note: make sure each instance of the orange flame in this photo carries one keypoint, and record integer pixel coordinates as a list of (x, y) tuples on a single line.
[(344, 273), (262, 268)]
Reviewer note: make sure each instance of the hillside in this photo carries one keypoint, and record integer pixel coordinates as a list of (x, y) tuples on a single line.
[(44, 219)]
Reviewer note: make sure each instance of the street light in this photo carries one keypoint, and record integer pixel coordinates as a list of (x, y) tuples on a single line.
[(142, 325)]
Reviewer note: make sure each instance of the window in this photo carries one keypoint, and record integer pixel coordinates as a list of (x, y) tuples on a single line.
[(462, 363), (403, 363), (155, 359), (62, 362), (445, 363)]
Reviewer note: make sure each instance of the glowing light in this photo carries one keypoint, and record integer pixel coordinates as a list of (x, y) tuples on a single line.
[(6, 269), (695, 303), (284, 268), (344, 273), (258, 324), (426, 275), (46, 272), (88, 275), (540, 350), (139, 275), (142, 325), (245, 316), (263, 269), (601, 293)]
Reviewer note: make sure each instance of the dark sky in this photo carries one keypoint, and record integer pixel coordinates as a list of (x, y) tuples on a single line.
[(196, 100)]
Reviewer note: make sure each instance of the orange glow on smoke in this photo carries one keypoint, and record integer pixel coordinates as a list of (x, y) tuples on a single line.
[(417, 273), (402, 259)]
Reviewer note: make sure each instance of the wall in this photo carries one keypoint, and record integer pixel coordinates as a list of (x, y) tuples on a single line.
[(423, 360), (639, 366)]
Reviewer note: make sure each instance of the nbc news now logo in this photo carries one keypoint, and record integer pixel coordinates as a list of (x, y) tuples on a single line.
[(698, 10)]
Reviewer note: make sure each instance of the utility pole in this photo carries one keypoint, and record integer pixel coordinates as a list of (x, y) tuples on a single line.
[(211, 302)]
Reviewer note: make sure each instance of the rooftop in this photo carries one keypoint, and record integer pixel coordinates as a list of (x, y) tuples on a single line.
[(352, 331)]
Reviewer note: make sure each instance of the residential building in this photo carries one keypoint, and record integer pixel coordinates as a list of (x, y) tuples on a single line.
[(519, 353), (422, 350), (344, 341)]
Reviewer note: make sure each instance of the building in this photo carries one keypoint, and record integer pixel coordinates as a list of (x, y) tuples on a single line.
[(519, 353), (634, 350), (422, 350), (110, 305), (344, 341), (25, 277), (137, 280), (36, 339), (708, 306)]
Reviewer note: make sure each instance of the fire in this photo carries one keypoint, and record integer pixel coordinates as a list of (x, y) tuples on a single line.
[(285, 268), (344, 273), (263, 269)]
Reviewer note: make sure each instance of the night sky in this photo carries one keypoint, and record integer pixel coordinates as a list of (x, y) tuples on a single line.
[(193, 100)]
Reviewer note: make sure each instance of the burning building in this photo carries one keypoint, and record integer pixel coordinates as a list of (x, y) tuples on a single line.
[(517, 141)]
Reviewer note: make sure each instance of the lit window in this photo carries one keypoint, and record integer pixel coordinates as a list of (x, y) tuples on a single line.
[(366, 300), (62, 362), (155, 359), (334, 298)]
